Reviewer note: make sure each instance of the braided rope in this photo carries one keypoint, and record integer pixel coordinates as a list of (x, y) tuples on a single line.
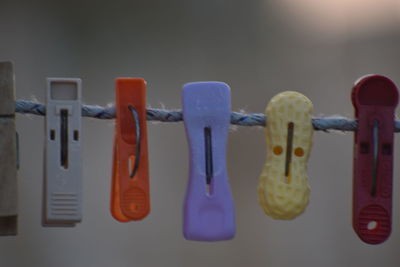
[(255, 119)]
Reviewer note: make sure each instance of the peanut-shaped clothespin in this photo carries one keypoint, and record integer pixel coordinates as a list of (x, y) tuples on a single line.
[(375, 99), (130, 192), (208, 209), (283, 189)]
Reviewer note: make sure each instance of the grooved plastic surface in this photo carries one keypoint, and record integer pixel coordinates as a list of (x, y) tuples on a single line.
[(285, 195), (374, 98), (62, 202), (130, 196)]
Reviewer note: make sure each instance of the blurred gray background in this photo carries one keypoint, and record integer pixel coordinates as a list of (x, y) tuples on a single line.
[(259, 48)]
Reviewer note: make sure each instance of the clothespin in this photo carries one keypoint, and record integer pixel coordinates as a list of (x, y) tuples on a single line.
[(8, 152), (283, 190), (130, 195), (208, 209), (375, 99), (62, 202)]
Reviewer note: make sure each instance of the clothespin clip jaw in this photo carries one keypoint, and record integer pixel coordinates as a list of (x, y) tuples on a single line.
[(208, 208), (130, 195), (62, 202), (8, 153), (375, 98), (283, 190)]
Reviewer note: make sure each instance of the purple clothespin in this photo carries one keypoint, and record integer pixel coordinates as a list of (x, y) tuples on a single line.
[(208, 209)]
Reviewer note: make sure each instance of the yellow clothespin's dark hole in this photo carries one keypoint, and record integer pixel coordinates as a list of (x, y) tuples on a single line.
[(289, 148)]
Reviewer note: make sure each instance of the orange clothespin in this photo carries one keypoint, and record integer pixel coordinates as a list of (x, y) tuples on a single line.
[(130, 195)]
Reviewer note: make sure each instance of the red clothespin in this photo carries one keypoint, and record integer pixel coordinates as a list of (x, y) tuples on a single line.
[(375, 98), (130, 196)]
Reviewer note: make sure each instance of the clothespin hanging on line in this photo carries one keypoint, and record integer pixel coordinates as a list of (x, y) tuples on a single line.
[(8, 152), (130, 193), (283, 190), (62, 187), (375, 99), (208, 209)]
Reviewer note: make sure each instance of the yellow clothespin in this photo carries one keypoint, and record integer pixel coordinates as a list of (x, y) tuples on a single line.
[(283, 189)]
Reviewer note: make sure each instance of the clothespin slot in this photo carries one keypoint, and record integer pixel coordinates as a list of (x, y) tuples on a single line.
[(62, 202), (283, 189), (289, 148), (8, 152), (135, 167), (209, 161), (130, 195), (374, 98), (64, 138), (208, 209), (375, 162)]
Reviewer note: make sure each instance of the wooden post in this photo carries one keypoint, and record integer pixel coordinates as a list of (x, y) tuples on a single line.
[(8, 153)]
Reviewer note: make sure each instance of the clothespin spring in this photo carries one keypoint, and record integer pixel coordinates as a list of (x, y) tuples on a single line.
[(135, 116)]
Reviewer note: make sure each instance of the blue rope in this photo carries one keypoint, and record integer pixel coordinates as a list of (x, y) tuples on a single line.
[(255, 119)]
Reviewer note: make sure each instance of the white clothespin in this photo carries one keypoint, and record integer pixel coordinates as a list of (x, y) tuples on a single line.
[(62, 202)]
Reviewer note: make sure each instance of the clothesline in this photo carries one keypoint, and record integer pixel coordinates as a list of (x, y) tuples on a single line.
[(163, 115)]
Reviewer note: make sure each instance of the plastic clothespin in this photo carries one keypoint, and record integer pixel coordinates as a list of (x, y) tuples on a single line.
[(130, 196), (283, 190), (62, 202), (8, 152), (374, 98), (208, 208)]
